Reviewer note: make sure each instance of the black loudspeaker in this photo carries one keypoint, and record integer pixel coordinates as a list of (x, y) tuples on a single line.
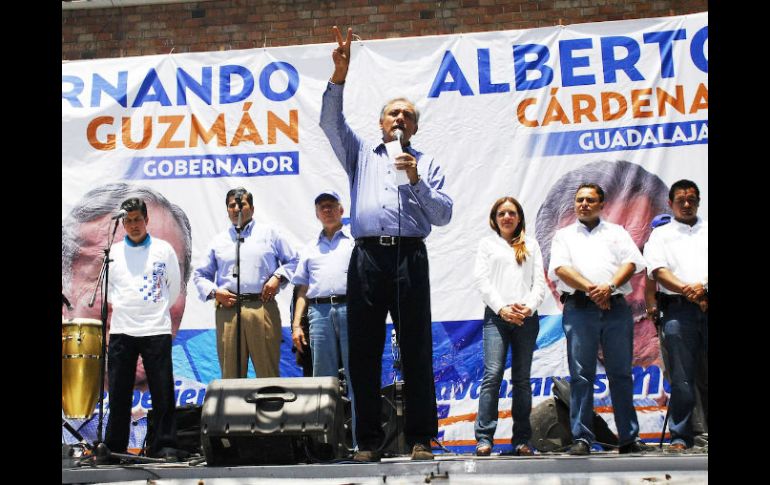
[(272, 421), (188, 428), (393, 419), (551, 426)]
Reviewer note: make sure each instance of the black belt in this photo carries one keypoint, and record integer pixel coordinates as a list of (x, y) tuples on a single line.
[(333, 299), (251, 296), (387, 240), (665, 300), (581, 299)]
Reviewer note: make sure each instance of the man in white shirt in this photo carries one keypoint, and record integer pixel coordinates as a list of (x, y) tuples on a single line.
[(321, 280), (677, 256), (144, 282), (591, 262)]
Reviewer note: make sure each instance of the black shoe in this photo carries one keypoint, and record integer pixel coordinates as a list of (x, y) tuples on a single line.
[(579, 448), (168, 454), (635, 447), (523, 450), (367, 456), (106, 460)]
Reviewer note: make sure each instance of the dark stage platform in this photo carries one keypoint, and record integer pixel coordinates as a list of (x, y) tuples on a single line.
[(548, 468)]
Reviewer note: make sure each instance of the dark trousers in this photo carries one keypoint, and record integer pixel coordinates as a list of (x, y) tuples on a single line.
[(124, 350), (376, 275), (685, 338)]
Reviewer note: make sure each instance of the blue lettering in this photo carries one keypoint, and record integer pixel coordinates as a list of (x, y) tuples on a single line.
[(449, 67), (146, 400), (612, 65), (485, 77), (651, 374), (72, 94), (136, 398), (291, 87), (547, 386), (443, 392), (459, 390), (537, 383), (185, 81), (225, 72), (475, 389), (599, 385), (186, 395), (118, 93), (521, 66), (151, 81), (201, 395), (697, 49), (665, 41), (570, 62)]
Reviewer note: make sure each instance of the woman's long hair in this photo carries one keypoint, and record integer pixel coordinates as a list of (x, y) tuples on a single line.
[(519, 248)]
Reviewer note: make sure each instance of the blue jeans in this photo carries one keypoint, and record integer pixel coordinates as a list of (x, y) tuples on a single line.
[(684, 335), (586, 327), (329, 341), (498, 336)]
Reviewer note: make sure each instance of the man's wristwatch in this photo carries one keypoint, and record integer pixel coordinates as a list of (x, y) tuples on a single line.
[(612, 287), (213, 294)]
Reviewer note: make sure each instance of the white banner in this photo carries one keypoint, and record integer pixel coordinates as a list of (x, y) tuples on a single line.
[(527, 113)]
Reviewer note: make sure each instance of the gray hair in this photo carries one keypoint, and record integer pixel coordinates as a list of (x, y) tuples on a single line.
[(104, 200), (621, 182), (407, 100)]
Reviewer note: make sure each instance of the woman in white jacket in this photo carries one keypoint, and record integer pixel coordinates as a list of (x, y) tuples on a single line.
[(509, 275)]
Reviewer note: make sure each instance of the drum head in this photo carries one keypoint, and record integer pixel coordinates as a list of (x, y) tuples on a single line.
[(80, 321)]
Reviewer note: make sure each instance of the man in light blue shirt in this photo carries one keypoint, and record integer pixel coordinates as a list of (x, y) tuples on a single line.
[(321, 280), (388, 269), (267, 264)]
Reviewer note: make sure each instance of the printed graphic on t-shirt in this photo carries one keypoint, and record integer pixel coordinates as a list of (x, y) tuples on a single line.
[(153, 286)]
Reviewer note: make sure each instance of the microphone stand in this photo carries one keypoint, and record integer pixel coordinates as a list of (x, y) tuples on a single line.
[(237, 274), (103, 283)]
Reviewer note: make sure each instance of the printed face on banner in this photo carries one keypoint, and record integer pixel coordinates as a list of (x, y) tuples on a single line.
[(86, 266)]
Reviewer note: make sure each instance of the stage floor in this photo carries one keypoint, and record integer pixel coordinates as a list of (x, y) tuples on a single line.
[(548, 468)]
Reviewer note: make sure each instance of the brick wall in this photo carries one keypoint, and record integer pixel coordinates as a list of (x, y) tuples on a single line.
[(244, 24)]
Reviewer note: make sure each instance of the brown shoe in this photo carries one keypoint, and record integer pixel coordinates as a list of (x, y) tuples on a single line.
[(421, 452), (483, 449), (524, 450), (677, 447), (367, 456)]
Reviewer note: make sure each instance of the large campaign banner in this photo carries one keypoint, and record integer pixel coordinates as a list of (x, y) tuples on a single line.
[(527, 113)]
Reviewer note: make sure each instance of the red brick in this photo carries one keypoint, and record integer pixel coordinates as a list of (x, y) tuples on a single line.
[(238, 24)]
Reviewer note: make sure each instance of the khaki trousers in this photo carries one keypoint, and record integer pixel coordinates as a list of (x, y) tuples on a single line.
[(260, 338)]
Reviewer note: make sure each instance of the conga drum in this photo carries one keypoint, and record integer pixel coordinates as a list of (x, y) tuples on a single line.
[(81, 347)]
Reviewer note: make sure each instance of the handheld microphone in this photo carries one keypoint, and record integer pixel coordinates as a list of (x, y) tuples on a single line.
[(239, 202), (119, 215), (399, 134)]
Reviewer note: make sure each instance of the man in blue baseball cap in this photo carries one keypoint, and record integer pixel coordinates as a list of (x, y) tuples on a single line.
[(321, 282)]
